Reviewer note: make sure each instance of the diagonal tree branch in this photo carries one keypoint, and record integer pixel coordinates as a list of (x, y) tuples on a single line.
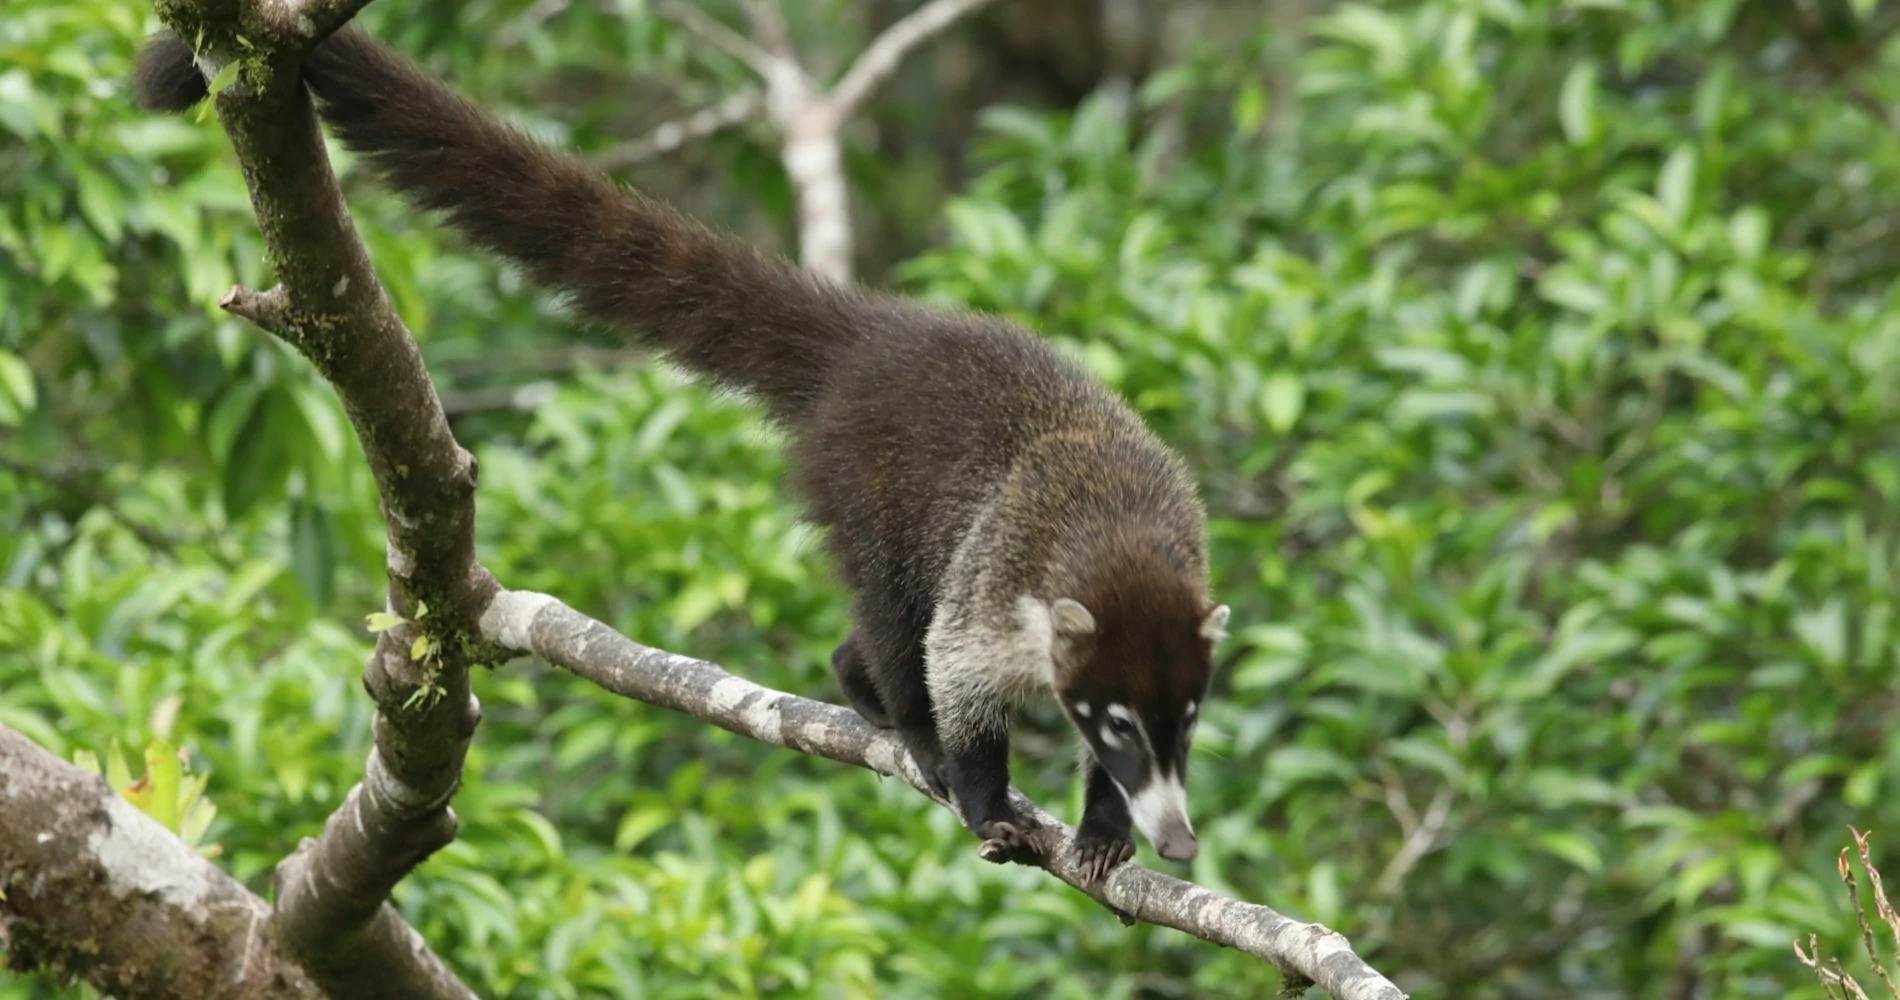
[(332, 910), (887, 51), (709, 28), (730, 111), (92, 887), (540, 625)]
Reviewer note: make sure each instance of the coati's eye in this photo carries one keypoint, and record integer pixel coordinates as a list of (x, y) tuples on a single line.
[(1121, 726)]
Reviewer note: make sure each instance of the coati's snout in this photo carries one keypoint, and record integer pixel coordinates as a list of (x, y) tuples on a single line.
[(1134, 692), (1160, 813)]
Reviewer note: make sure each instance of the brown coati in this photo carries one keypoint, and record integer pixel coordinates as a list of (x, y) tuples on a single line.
[(1008, 526)]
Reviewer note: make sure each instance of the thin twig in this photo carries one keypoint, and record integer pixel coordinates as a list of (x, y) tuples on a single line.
[(881, 58), (728, 112), (768, 26), (1812, 959), (1419, 842), (716, 34), (1881, 906)]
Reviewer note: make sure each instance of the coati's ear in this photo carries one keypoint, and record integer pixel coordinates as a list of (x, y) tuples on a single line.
[(1214, 626), (1070, 618)]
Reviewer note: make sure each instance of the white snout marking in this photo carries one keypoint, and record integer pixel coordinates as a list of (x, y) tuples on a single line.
[(1158, 805)]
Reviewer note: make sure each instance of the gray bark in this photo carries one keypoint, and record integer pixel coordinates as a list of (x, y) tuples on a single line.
[(542, 626), (91, 887)]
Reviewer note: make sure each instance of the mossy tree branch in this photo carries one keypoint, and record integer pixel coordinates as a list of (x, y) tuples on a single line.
[(332, 907), (91, 887)]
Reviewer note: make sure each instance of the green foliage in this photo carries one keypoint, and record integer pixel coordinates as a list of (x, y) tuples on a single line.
[(1537, 358), (164, 792), (1546, 413)]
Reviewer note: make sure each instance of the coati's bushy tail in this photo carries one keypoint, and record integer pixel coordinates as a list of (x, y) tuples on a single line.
[(712, 304)]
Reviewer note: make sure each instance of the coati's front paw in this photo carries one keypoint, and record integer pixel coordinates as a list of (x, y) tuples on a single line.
[(1004, 841), (1099, 851)]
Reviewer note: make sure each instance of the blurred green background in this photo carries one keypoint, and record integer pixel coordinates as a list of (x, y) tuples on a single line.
[(1538, 357)]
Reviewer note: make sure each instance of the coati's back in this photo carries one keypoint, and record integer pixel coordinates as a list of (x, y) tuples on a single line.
[(918, 428), (903, 417)]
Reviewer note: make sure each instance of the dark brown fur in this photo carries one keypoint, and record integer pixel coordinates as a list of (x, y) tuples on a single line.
[(906, 421)]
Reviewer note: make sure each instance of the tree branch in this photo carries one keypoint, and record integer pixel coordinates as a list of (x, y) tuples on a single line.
[(726, 40), (666, 138), (92, 887), (808, 119), (332, 912), (540, 625), (887, 51)]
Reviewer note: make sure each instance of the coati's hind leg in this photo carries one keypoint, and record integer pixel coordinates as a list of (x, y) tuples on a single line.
[(901, 686), (854, 675), (979, 775), (972, 715), (888, 647)]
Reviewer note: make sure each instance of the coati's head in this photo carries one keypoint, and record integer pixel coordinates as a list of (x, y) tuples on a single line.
[(1133, 679)]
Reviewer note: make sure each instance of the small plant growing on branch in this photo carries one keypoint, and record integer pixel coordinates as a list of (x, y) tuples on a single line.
[(1836, 981)]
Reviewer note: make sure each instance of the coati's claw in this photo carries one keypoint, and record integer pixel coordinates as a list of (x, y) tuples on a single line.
[(1097, 854), (1004, 842)]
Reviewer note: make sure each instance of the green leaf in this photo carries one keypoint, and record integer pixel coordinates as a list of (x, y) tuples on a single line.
[(229, 417), (118, 774), (639, 824), (1748, 233), (1573, 293), (1282, 400), (313, 549), (17, 394), (1250, 108), (382, 621), (1323, 891), (1697, 878), (1675, 187), (225, 77), (319, 414), (163, 771), (1574, 848), (1576, 103), (255, 459), (1823, 631)]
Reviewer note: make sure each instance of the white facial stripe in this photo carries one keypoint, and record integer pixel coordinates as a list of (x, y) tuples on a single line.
[(1191, 707), (1082, 709), (1117, 741), (1161, 801)]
